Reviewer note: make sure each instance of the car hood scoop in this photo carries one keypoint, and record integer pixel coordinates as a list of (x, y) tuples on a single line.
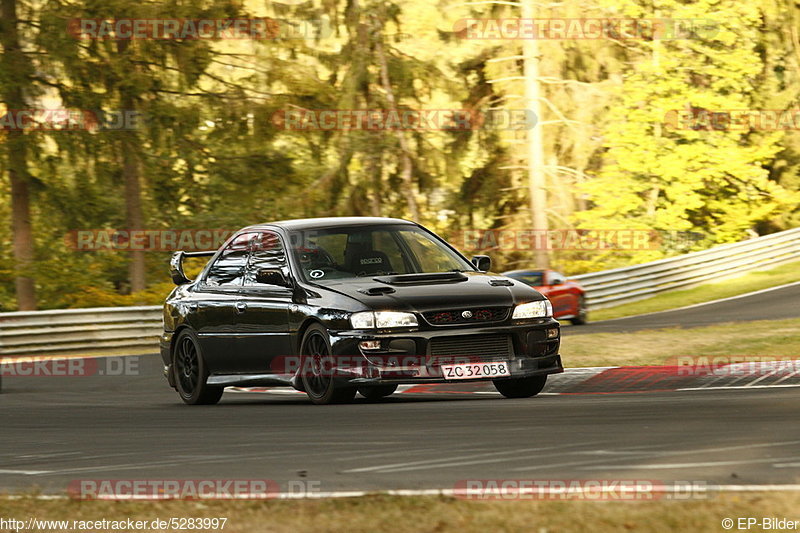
[(432, 292), (376, 291), (422, 279)]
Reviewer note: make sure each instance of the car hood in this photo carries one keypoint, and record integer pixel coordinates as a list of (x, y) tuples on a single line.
[(421, 294)]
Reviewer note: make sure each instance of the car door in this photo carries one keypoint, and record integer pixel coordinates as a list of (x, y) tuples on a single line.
[(263, 307), (559, 294), (217, 315)]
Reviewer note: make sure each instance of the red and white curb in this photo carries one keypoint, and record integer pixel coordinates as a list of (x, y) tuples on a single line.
[(624, 379)]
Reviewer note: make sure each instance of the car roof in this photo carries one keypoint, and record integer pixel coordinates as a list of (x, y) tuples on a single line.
[(329, 222)]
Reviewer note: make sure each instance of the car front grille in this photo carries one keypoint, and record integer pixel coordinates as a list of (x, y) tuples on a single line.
[(476, 315), (480, 347)]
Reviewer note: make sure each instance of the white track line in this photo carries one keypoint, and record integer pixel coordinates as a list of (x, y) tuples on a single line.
[(421, 492), (671, 466), (652, 455), (430, 462), (784, 378), (467, 463)]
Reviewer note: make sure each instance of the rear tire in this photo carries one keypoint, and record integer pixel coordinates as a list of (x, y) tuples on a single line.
[(377, 392), (317, 373), (520, 387), (191, 372)]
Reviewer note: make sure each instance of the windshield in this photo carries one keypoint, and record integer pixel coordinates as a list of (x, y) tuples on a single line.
[(352, 252), (534, 279)]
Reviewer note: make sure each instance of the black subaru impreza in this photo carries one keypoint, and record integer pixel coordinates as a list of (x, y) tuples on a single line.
[(335, 306)]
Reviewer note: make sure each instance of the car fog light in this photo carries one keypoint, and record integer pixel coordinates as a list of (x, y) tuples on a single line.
[(370, 345), (552, 333)]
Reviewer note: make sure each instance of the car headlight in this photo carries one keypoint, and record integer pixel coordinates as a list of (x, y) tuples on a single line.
[(541, 308), (383, 319)]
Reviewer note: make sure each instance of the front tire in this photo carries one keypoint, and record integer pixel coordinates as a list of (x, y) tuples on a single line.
[(520, 387), (191, 372), (377, 392), (318, 369)]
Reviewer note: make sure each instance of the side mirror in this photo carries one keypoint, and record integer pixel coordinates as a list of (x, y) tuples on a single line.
[(176, 269), (272, 276), (482, 263)]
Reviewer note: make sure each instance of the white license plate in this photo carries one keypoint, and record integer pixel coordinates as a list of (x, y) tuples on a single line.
[(475, 370)]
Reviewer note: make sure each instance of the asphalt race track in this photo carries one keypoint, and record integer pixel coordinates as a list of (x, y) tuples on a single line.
[(54, 430), (771, 304), (57, 429)]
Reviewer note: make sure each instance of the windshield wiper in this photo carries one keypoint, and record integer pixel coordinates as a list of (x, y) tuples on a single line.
[(376, 274)]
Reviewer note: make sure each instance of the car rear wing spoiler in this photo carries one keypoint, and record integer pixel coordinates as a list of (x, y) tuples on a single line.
[(176, 265)]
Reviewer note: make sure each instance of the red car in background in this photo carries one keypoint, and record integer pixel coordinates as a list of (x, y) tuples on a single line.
[(566, 295)]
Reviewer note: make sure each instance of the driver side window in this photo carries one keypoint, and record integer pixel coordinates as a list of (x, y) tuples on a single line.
[(267, 252), (228, 270)]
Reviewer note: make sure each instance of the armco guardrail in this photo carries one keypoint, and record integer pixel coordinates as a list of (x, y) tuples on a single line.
[(628, 284), (92, 330), (106, 329)]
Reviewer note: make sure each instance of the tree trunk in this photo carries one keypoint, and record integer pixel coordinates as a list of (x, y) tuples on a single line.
[(405, 154), (134, 219), (15, 64), (536, 177)]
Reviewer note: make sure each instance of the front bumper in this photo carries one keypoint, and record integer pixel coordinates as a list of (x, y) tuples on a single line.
[(412, 357)]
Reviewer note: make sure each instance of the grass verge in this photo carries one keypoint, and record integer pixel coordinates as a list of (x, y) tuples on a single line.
[(752, 281), (401, 514), (660, 346)]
